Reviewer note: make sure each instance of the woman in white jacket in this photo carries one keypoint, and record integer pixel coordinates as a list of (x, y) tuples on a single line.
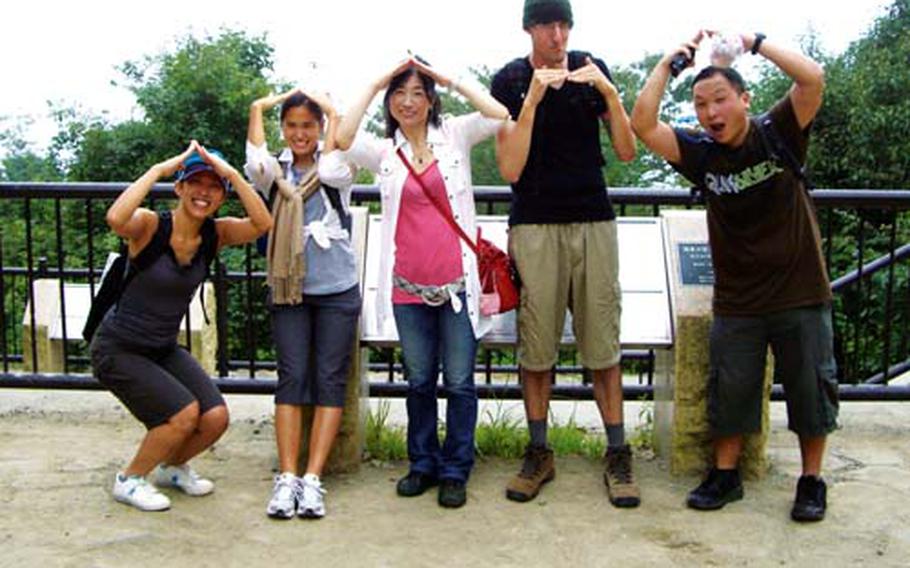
[(428, 276)]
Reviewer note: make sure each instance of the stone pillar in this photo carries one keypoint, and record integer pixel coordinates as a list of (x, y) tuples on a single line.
[(47, 310), (203, 336), (682, 434), (347, 452), (49, 325)]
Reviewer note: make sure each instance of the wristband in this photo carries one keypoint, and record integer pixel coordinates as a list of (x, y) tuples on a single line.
[(756, 44)]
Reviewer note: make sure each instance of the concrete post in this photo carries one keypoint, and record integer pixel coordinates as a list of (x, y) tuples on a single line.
[(47, 312), (204, 336), (681, 423), (347, 452)]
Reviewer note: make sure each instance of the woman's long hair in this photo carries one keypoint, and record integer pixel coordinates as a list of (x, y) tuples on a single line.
[(429, 87)]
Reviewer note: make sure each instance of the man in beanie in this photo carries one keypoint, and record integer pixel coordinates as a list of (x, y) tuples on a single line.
[(562, 233)]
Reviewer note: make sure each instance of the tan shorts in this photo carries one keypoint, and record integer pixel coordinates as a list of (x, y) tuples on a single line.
[(574, 266)]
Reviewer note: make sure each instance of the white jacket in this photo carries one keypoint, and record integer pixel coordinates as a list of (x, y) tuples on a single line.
[(451, 144)]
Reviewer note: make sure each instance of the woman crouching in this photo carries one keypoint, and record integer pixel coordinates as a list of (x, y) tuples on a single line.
[(135, 354)]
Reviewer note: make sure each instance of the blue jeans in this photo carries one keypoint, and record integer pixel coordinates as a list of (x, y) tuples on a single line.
[(430, 335)]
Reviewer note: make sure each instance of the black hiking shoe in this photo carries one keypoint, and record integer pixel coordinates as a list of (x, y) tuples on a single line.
[(718, 489), (452, 493), (811, 500), (415, 483)]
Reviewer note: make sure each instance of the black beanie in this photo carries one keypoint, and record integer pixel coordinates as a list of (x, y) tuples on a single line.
[(546, 11)]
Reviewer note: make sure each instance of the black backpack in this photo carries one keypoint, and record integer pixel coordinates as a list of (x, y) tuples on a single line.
[(777, 150), (780, 152), (123, 269)]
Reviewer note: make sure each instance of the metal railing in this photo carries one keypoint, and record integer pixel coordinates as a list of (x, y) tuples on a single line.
[(56, 230)]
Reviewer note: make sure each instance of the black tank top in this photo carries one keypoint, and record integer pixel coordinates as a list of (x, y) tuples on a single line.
[(154, 304)]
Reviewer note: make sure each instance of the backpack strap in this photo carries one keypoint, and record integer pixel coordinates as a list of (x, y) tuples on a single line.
[(780, 151), (159, 243), (209, 252), (209, 241), (334, 196), (273, 190), (698, 191), (148, 255)]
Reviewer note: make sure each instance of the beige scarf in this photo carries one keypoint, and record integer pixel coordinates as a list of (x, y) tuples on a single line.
[(286, 267)]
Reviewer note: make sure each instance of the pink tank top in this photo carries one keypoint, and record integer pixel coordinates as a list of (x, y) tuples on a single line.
[(427, 250)]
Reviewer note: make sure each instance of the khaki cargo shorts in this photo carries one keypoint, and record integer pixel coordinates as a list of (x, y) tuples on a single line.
[(574, 266)]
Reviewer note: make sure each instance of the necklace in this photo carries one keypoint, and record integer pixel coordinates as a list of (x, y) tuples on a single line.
[(423, 156)]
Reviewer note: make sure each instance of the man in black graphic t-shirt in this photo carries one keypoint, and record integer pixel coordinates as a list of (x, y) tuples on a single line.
[(771, 287)]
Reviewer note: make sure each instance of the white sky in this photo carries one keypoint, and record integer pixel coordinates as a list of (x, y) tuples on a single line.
[(68, 51)]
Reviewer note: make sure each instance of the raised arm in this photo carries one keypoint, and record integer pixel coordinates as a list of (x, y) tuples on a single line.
[(255, 131), (658, 136), (514, 140), (808, 77), (480, 100), (125, 217), (348, 125), (617, 121)]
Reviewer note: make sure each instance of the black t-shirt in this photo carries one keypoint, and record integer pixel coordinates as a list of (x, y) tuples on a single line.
[(562, 181), (765, 242)]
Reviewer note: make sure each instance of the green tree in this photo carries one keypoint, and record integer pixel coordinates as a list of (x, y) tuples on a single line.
[(861, 139), (202, 90), (20, 160)]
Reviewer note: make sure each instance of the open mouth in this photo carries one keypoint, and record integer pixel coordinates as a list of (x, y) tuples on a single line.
[(716, 128)]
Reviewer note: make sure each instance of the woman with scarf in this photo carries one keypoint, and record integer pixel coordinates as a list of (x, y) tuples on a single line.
[(314, 296)]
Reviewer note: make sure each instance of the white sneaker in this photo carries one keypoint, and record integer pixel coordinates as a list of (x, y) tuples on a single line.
[(183, 478), (311, 504), (284, 497), (136, 491)]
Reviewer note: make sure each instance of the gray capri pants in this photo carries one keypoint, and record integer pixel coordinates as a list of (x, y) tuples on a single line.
[(153, 383), (314, 341)]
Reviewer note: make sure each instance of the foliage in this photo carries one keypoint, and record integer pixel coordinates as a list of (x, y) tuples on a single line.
[(499, 435), (860, 141), (21, 162), (202, 89), (384, 442), (861, 131), (643, 436)]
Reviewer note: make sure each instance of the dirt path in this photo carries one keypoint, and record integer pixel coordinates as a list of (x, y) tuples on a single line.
[(59, 452)]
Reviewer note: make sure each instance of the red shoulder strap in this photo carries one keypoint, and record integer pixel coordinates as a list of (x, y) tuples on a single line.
[(446, 214)]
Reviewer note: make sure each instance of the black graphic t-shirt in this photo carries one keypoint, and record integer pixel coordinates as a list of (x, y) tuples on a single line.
[(765, 242)]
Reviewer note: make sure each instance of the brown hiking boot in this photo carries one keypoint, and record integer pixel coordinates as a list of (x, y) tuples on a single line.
[(537, 469), (620, 482)]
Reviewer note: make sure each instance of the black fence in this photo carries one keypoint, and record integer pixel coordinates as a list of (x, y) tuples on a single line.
[(57, 230)]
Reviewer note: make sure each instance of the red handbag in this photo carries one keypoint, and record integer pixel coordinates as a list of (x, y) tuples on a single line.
[(499, 291)]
